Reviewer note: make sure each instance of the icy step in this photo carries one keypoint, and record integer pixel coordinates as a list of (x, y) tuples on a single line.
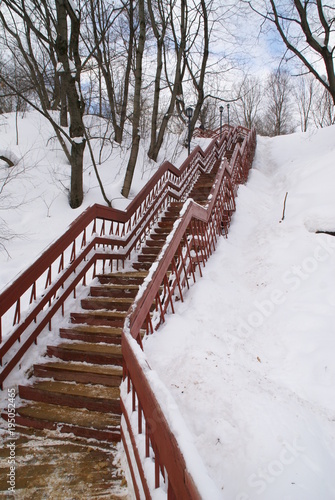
[(114, 290), (127, 278), (110, 303), (92, 333), (78, 421), (51, 465), (102, 318), (102, 354), (93, 397), (80, 372)]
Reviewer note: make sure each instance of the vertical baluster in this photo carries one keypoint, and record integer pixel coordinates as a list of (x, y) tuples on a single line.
[(158, 299), (139, 422), (33, 293), (157, 468), (133, 400), (166, 281), (196, 248), (17, 314), (190, 257), (180, 252), (147, 440), (83, 241), (177, 278), (200, 244), (73, 252)]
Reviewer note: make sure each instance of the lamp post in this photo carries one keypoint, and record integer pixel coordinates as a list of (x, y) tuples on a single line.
[(221, 111), (228, 106), (189, 114)]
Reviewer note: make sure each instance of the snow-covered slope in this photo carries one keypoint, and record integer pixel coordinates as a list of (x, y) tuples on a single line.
[(249, 355), (34, 208)]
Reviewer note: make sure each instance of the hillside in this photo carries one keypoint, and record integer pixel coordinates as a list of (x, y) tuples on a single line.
[(34, 207), (248, 357)]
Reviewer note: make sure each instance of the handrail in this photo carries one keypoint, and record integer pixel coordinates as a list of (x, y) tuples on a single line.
[(99, 234), (146, 429), (108, 236)]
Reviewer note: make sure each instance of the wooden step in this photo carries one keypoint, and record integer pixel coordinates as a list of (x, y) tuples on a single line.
[(159, 236), (80, 372), (81, 422), (102, 318), (92, 333), (155, 243), (199, 192), (109, 303), (93, 397), (174, 206), (101, 354), (166, 223), (114, 290), (52, 465), (147, 258), (162, 230), (128, 278), (151, 249), (142, 265), (203, 184)]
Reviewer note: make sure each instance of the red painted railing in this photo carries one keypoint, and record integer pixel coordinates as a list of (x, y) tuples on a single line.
[(106, 237), (99, 235), (146, 429)]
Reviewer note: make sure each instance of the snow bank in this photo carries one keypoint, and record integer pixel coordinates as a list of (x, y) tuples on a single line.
[(248, 357)]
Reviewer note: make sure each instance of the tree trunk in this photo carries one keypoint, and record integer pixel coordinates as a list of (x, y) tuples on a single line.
[(63, 103), (68, 56), (137, 103), (76, 192)]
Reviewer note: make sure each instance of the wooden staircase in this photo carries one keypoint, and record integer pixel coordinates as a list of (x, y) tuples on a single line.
[(76, 391)]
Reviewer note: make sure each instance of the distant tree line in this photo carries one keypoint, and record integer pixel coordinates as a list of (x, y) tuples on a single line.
[(281, 104)]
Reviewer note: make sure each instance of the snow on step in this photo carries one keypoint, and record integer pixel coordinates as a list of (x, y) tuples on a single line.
[(93, 397), (80, 372)]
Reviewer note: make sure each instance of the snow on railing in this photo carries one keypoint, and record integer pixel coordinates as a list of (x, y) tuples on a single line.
[(99, 235), (153, 437)]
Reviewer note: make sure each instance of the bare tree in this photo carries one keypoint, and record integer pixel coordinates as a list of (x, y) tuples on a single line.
[(304, 92), (9, 100), (208, 115), (278, 118), (307, 30), (197, 52), (247, 106), (166, 14), (323, 109), (106, 28), (53, 28)]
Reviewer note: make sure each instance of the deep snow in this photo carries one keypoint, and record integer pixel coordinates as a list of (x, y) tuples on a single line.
[(249, 356)]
